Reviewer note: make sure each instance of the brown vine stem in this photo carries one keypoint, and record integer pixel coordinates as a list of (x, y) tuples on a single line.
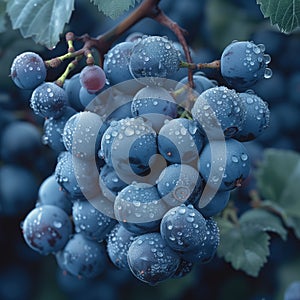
[(103, 42)]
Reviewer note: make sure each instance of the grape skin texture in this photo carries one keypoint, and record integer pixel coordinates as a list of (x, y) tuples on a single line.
[(28, 70)]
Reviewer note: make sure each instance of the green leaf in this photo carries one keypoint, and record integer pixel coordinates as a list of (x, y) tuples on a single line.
[(41, 20), (284, 13), (246, 244), (278, 180), (265, 221), (114, 8), (245, 247)]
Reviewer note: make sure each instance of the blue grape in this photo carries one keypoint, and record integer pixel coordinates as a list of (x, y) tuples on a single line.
[(53, 130), (219, 110), (28, 70), (228, 168), (153, 56), (65, 175), (110, 183), (293, 291), (127, 145), (217, 203), (72, 87), (20, 143), (180, 141), (90, 222), (49, 100), (46, 229), (80, 134), (116, 63), (244, 63), (151, 260), (139, 208), (51, 193), (118, 243), (154, 104), (207, 248), (179, 183), (83, 257), (18, 190), (257, 117), (183, 228)]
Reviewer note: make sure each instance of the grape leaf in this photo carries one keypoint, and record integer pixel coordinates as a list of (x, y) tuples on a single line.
[(277, 178), (264, 220), (246, 244), (41, 20), (284, 13), (114, 8)]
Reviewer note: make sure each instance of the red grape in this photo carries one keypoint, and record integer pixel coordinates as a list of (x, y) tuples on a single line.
[(92, 78)]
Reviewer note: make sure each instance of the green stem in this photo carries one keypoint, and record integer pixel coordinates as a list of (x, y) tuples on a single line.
[(71, 66)]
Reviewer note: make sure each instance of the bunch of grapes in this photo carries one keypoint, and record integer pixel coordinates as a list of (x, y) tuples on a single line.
[(144, 163)]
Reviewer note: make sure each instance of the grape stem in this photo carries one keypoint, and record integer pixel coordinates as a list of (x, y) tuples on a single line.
[(212, 65), (103, 42)]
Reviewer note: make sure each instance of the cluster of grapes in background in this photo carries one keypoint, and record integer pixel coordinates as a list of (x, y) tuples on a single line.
[(100, 247)]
